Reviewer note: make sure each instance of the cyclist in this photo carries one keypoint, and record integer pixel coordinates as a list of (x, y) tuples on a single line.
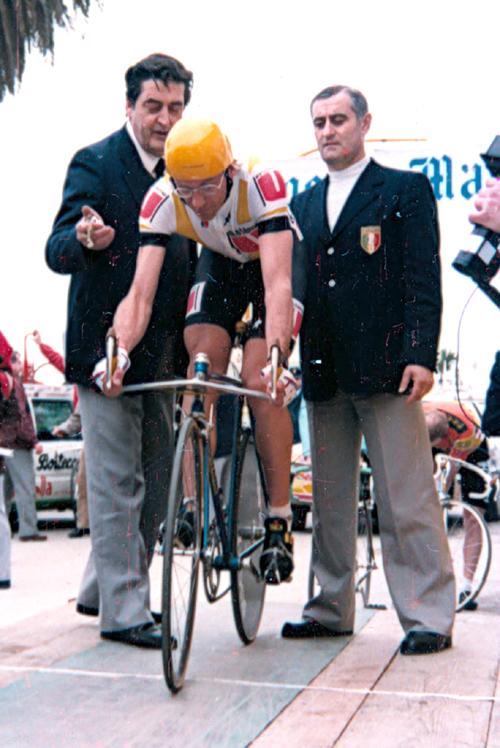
[(239, 213), (453, 430)]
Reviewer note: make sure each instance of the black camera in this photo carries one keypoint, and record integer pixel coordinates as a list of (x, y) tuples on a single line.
[(483, 264)]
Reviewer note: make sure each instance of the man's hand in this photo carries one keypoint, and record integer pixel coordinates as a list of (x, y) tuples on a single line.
[(37, 337), (99, 373), (419, 378), (487, 204), (91, 231), (287, 387), (38, 448)]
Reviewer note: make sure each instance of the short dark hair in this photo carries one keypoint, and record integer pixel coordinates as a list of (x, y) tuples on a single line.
[(16, 356), (359, 103), (157, 67)]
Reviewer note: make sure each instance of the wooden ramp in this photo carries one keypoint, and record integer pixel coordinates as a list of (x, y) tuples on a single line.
[(370, 696)]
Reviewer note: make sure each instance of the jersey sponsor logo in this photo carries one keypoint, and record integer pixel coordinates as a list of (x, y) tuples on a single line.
[(245, 243), (151, 204), (371, 238), (271, 186), (195, 298), (455, 423)]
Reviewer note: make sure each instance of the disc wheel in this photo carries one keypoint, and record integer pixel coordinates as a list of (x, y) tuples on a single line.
[(247, 528), (470, 546), (181, 555)]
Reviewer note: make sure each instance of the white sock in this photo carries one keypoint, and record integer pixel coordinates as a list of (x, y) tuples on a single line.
[(467, 586), (284, 512)]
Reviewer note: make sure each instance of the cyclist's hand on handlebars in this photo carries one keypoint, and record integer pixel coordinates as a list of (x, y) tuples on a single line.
[(99, 373), (287, 385), (416, 382)]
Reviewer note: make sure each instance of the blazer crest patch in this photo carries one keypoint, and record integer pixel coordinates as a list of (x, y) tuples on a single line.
[(371, 238)]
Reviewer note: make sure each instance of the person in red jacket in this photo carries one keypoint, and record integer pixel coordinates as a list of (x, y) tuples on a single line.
[(21, 467), (6, 387)]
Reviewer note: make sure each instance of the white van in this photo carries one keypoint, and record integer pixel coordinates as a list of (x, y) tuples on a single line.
[(57, 465)]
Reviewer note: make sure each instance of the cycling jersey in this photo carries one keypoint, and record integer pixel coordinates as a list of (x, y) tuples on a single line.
[(463, 435), (256, 204)]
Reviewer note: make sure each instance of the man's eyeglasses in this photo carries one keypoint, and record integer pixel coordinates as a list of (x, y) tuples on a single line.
[(207, 190)]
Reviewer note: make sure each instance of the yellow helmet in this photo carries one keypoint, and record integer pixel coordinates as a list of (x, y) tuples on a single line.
[(196, 149)]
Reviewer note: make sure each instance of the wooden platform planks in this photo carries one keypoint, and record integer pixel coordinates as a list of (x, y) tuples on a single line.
[(434, 701)]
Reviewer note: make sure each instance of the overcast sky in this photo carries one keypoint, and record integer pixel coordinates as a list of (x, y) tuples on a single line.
[(429, 70)]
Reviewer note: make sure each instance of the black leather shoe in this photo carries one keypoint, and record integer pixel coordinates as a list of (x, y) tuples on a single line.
[(309, 629), (147, 636), (424, 642), (79, 532), (86, 610), (4, 584)]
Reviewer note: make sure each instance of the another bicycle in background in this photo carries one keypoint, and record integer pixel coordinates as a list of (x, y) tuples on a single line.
[(468, 534)]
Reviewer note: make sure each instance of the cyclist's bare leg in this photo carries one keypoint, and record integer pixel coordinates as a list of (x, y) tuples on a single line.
[(472, 544), (274, 437), (215, 342), (273, 428)]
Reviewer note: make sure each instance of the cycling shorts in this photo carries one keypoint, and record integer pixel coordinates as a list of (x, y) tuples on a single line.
[(222, 290), (472, 482)]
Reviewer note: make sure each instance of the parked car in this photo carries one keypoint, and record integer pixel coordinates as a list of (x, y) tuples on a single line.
[(57, 465)]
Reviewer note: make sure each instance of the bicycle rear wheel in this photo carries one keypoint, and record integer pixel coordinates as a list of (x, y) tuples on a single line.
[(249, 508), (181, 554), (470, 546)]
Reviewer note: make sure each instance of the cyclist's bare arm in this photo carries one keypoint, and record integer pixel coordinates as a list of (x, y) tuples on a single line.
[(134, 312), (276, 262)]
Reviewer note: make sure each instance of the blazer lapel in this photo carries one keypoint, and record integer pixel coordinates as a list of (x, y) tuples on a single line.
[(365, 191)]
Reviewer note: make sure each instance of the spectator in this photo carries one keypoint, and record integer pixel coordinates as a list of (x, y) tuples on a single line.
[(21, 466), (128, 440), (10, 418), (370, 267)]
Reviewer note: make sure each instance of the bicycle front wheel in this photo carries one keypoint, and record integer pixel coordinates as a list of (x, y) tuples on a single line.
[(247, 531), (470, 546), (181, 554)]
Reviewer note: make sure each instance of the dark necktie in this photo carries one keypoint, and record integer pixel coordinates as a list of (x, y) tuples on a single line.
[(159, 169)]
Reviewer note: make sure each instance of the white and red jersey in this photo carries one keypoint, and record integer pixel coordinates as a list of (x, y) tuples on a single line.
[(258, 195)]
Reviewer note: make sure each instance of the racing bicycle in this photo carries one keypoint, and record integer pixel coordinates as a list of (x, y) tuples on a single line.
[(213, 528)]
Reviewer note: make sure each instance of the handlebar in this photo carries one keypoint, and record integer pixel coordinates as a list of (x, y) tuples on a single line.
[(194, 386), (442, 459)]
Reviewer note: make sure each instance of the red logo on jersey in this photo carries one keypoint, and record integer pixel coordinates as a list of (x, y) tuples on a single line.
[(245, 243), (271, 186), (151, 204)]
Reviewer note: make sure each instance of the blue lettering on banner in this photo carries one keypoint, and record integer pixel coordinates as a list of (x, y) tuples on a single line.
[(439, 171)]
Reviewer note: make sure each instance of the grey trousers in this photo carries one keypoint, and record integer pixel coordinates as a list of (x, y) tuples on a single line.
[(4, 537), (21, 470), (128, 452), (415, 551)]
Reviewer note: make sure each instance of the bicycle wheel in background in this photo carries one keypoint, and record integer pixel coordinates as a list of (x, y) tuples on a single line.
[(181, 554), (249, 510), (471, 560), (365, 560)]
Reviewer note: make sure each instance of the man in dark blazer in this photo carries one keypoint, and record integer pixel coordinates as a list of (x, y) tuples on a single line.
[(128, 441), (369, 273)]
